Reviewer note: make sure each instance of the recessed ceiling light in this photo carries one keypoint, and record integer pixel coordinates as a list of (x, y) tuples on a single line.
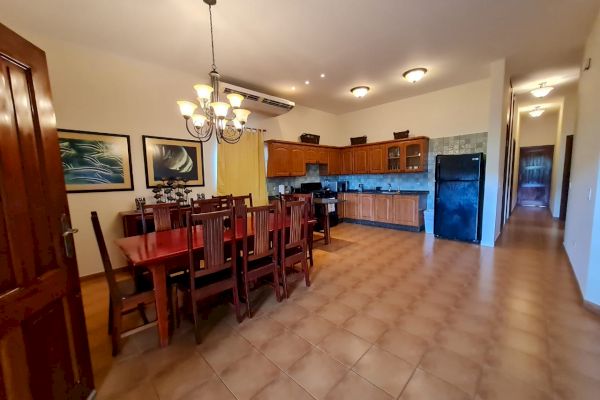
[(536, 112), (307, 82), (414, 75), (293, 87), (322, 75), (360, 91), (542, 91)]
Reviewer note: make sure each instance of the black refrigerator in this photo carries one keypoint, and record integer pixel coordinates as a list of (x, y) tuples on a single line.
[(459, 184)]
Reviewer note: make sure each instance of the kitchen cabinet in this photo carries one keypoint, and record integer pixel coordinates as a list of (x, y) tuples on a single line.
[(297, 162), (360, 159), (350, 206), (366, 207), (393, 157), (406, 210), (334, 162), (310, 155), (376, 160), (347, 162), (279, 160), (414, 155), (322, 155), (383, 208)]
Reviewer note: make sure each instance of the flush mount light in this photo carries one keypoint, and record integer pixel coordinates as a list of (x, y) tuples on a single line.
[(542, 91), (360, 91), (414, 75), (307, 82), (322, 75), (536, 112)]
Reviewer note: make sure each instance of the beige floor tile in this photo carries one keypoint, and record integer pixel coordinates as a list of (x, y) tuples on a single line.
[(366, 327), (249, 375), (179, 378), (261, 330), (285, 349), (312, 301), (146, 392), (225, 352), (336, 312), (288, 313), (419, 326), (313, 328), (495, 385), (404, 345), (354, 387), (344, 346), (522, 341), (385, 312), (452, 368), (213, 389), (467, 345), (283, 388), (356, 301), (317, 372), (520, 365), (573, 385), (384, 370), (424, 386)]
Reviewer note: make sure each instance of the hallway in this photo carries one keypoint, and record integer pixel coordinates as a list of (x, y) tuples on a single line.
[(390, 315)]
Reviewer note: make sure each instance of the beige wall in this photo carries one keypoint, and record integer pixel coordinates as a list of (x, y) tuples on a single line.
[(300, 120), (539, 131)]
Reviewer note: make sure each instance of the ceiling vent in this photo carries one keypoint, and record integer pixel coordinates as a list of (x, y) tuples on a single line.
[(258, 102)]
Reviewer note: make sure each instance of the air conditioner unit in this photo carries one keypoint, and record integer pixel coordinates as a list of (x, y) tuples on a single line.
[(256, 101)]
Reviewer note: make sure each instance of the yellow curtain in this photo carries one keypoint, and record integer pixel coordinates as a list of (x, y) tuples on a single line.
[(241, 167)]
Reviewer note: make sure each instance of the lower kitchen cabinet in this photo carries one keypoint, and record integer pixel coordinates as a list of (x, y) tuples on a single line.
[(366, 206), (406, 210), (388, 209), (383, 210)]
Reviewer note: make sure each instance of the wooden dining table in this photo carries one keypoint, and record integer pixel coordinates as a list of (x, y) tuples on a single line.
[(162, 251)]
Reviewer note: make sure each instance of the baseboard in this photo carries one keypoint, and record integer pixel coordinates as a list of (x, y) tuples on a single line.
[(100, 274), (592, 307), (384, 225)]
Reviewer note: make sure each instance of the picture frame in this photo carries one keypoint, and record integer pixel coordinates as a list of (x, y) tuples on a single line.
[(95, 161), (169, 158)]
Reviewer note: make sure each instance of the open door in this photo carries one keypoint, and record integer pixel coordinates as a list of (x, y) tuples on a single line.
[(44, 351)]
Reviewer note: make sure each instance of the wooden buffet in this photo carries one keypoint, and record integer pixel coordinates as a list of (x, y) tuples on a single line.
[(394, 156)]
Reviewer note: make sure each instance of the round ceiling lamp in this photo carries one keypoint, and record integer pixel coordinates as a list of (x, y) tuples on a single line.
[(360, 91), (414, 75), (542, 91), (536, 112)]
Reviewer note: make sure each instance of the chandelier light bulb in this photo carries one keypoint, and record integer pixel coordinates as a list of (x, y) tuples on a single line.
[(235, 99), (220, 108), (542, 91), (360, 91), (198, 120), (186, 108), (415, 75), (241, 115), (237, 124), (204, 92), (223, 123)]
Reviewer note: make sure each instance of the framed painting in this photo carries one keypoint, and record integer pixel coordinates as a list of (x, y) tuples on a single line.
[(177, 159), (94, 161)]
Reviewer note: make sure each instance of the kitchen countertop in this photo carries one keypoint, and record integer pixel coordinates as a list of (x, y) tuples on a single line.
[(407, 192)]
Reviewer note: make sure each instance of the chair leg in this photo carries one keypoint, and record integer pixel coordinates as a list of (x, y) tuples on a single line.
[(247, 294), (173, 301), (310, 248), (110, 317), (236, 303), (196, 319), (276, 283), (286, 295), (306, 273), (116, 330), (142, 310)]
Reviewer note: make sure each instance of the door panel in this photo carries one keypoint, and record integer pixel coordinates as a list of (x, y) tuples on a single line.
[(456, 210), (535, 174), (360, 160), (347, 162), (43, 339)]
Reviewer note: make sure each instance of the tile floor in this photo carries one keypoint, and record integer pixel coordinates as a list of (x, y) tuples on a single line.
[(390, 315)]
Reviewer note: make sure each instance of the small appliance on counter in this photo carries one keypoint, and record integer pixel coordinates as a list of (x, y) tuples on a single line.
[(459, 184), (317, 191), (343, 186)]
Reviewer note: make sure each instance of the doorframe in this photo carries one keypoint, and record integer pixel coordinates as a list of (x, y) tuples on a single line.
[(566, 179)]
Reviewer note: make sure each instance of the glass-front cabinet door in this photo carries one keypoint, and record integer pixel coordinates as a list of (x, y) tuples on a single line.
[(415, 155), (393, 157)]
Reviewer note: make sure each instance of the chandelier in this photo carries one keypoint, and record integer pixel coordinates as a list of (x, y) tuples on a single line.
[(214, 116)]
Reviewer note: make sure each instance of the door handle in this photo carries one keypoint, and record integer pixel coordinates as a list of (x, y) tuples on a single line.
[(70, 231), (67, 234)]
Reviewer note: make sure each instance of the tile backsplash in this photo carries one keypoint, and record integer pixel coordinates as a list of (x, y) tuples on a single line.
[(461, 144)]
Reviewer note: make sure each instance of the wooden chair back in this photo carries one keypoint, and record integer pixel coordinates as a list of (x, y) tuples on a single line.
[(161, 214), (265, 241), (218, 255), (206, 206), (226, 201), (239, 201), (294, 235), (113, 289)]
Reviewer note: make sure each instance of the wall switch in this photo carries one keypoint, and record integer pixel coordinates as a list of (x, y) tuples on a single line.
[(590, 195)]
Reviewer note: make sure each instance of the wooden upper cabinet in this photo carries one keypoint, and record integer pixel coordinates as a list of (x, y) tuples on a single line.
[(376, 159), (297, 161), (334, 162), (310, 155), (383, 208), (360, 160), (414, 155), (279, 162), (347, 162), (406, 210), (393, 157), (322, 155)]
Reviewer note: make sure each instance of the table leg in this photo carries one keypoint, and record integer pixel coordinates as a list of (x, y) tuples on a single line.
[(326, 228), (159, 278)]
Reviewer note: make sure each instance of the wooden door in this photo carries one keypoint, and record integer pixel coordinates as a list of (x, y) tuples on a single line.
[(535, 174), (310, 155), (383, 208), (347, 162), (44, 351), (365, 207), (406, 210), (376, 160), (360, 158), (564, 198), (279, 162), (296, 162), (351, 206)]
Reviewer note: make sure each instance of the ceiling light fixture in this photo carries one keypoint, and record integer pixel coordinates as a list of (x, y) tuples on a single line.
[(214, 117), (414, 75), (307, 82), (542, 91), (322, 75), (360, 91), (536, 112)]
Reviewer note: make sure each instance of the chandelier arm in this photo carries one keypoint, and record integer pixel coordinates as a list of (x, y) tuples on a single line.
[(212, 39)]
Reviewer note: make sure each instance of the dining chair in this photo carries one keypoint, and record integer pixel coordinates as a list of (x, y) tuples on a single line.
[(259, 252), (162, 216), (294, 241), (124, 296), (226, 200), (207, 205), (215, 271), (311, 214), (239, 201)]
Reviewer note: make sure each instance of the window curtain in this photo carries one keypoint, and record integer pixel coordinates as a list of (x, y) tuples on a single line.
[(241, 167)]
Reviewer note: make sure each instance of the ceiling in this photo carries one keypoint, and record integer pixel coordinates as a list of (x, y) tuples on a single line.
[(272, 45)]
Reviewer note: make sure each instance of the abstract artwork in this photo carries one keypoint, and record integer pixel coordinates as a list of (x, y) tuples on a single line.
[(95, 162), (173, 159)]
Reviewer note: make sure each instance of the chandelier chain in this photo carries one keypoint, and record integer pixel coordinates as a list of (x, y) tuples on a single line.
[(212, 39)]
